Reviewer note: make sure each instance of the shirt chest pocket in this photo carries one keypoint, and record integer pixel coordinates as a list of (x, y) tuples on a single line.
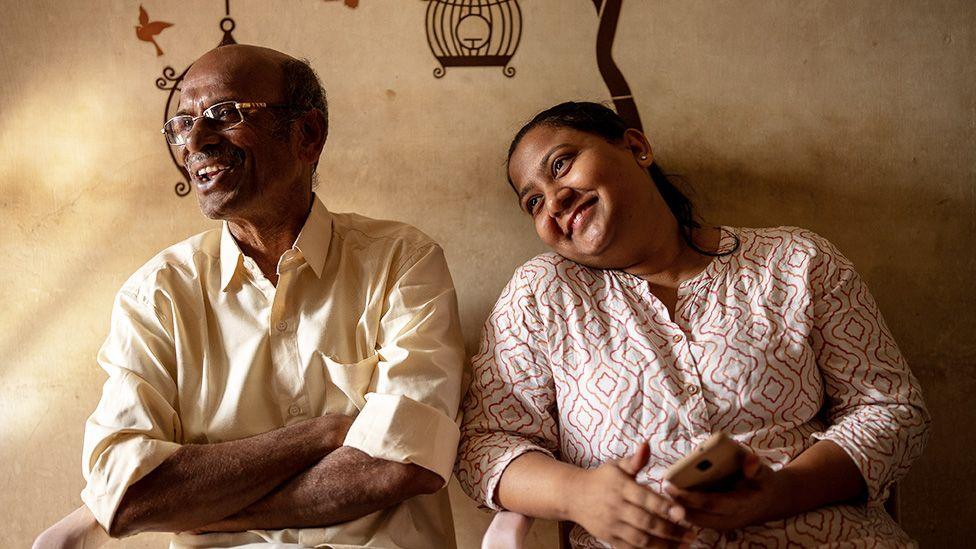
[(346, 384)]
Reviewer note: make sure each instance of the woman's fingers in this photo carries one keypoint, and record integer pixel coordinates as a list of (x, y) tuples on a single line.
[(627, 536), (751, 465), (652, 524), (642, 497), (633, 464), (655, 514), (716, 503)]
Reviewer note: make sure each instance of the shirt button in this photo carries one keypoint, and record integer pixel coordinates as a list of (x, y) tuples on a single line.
[(693, 389), (282, 326), (676, 339), (294, 410)]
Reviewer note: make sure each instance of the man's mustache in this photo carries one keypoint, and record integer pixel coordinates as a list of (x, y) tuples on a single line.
[(228, 153)]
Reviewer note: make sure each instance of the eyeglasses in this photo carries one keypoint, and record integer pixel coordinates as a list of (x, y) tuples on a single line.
[(221, 117)]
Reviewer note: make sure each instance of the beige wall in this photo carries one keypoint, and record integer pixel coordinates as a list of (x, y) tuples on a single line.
[(855, 119)]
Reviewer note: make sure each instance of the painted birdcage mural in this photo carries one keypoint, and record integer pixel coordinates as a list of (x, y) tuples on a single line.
[(474, 33)]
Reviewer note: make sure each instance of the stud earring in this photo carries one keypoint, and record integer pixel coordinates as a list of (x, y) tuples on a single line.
[(643, 157)]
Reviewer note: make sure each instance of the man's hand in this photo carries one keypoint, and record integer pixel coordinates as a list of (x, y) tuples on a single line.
[(613, 507)]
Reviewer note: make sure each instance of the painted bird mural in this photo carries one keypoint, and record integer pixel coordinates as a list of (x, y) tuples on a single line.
[(148, 29)]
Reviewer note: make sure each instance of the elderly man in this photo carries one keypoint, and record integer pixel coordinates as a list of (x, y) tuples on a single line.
[(291, 378)]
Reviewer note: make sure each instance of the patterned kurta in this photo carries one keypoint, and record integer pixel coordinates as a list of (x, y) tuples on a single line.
[(779, 344)]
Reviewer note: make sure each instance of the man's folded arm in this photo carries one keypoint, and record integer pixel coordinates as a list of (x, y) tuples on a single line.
[(141, 477), (343, 486), (404, 441), (202, 483)]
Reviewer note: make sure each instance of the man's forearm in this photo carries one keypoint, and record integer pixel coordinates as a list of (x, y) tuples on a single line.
[(202, 483), (345, 485)]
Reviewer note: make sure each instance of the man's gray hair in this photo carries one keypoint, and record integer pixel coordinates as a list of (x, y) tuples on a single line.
[(303, 90)]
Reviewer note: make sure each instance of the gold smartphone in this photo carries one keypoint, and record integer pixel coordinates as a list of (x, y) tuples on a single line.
[(714, 465)]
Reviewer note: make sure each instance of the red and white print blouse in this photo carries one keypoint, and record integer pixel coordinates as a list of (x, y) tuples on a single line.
[(779, 344)]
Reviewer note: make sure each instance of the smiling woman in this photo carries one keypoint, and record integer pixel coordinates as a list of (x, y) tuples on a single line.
[(578, 126), (646, 331)]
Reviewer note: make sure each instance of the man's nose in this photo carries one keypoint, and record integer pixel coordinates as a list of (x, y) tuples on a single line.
[(200, 135), (559, 200)]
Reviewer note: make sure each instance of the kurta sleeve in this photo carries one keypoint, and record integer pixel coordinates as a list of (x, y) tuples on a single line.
[(135, 427), (410, 414), (510, 407), (874, 403)]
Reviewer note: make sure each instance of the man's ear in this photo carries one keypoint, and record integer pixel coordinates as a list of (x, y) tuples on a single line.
[(312, 132), (638, 144)]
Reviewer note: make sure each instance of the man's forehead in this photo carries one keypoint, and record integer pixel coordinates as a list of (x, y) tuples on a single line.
[(244, 74)]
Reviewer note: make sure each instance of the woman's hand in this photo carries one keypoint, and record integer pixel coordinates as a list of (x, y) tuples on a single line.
[(823, 474), (614, 508), (754, 499)]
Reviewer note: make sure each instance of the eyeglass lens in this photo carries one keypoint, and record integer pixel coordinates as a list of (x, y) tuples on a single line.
[(220, 117)]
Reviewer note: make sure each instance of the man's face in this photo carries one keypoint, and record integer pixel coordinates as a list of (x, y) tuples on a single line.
[(246, 172)]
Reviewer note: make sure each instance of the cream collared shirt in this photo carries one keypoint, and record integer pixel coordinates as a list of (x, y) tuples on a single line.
[(204, 349)]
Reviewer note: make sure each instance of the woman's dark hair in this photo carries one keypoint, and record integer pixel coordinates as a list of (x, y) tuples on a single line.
[(596, 119)]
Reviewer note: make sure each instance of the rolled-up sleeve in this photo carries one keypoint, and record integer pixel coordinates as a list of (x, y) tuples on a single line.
[(874, 402), (510, 407), (135, 426), (410, 414)]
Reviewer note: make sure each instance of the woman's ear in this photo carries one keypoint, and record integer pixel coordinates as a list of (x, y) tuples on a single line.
[(640, 147)]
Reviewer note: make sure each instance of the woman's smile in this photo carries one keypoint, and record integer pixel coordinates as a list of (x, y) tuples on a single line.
[(579, 217)]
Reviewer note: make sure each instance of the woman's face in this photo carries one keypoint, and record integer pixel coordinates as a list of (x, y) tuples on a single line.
[(591, 200)]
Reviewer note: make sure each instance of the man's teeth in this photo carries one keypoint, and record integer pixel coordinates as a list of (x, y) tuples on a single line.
[(210, 169)]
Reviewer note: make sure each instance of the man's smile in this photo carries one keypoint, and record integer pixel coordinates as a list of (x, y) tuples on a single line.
[(208, 170), (211, 176)]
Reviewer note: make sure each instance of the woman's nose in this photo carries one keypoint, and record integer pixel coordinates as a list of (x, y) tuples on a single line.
[(558, 201)]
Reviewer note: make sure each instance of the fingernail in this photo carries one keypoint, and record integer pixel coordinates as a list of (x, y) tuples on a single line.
[(676, 513)]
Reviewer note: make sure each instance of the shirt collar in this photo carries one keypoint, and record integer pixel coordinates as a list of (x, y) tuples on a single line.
[(231, 257), (313, 243)]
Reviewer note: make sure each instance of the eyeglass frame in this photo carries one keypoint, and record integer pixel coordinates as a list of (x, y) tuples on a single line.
[(237, 105)]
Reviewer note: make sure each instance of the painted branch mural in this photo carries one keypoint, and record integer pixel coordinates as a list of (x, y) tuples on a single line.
[(623, 99)]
